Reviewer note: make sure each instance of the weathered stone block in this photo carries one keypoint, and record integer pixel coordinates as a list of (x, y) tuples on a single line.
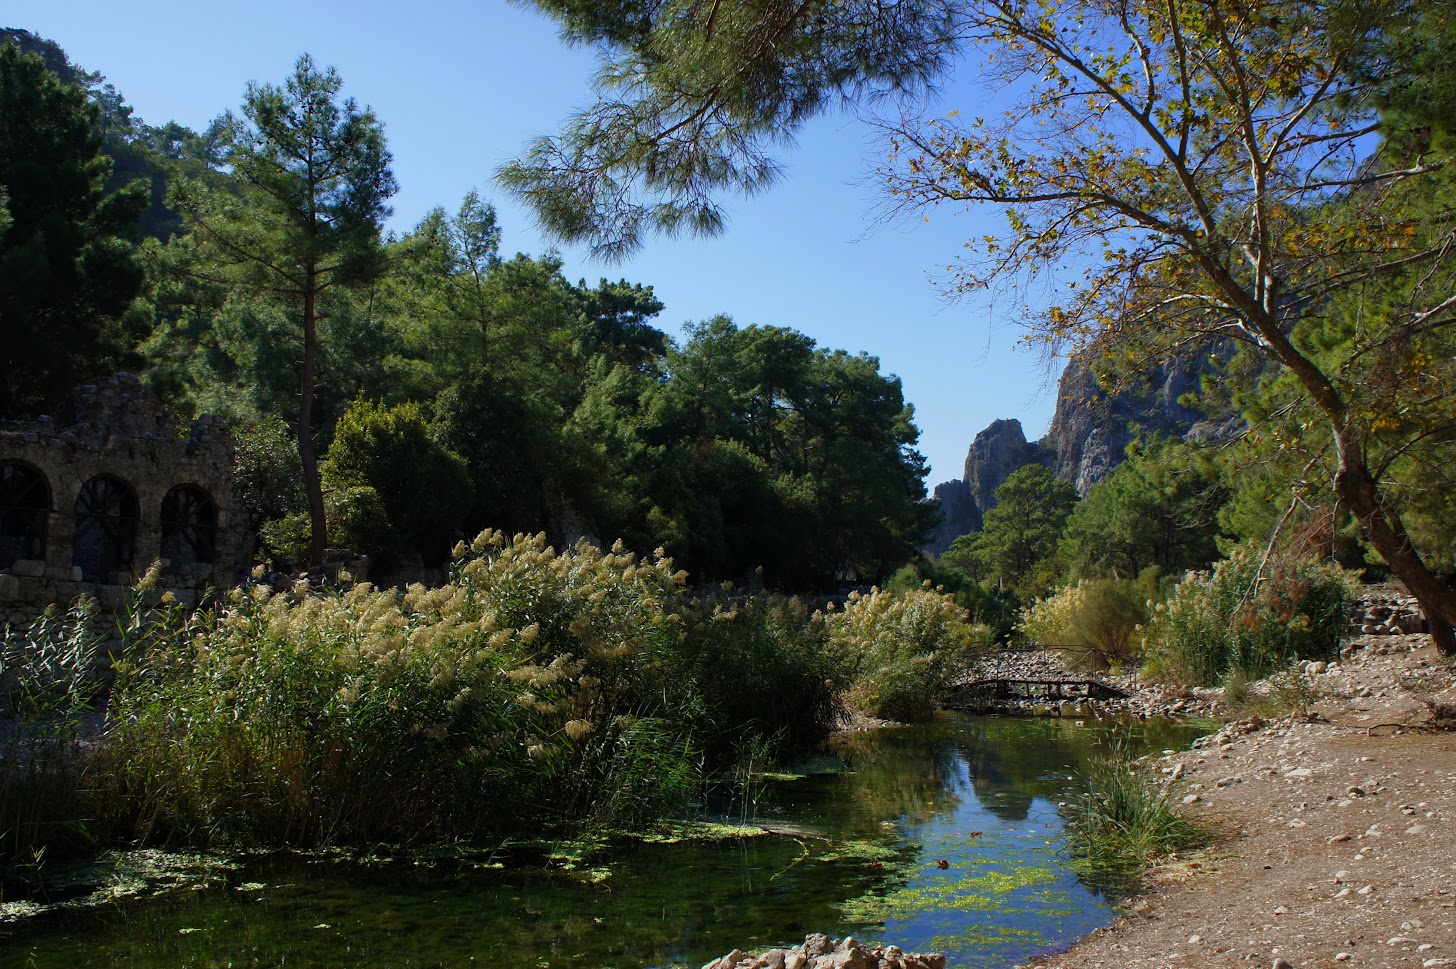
[(112, 597)]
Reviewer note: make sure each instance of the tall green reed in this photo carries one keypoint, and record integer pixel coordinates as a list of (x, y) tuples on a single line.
[(1123, 821), (47, 691)]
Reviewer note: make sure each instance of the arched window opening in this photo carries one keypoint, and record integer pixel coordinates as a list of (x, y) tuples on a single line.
[(106, 526), (25, 505), (189, 526)]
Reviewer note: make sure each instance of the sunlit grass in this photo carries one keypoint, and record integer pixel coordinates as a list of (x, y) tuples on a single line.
[(1124, 821)]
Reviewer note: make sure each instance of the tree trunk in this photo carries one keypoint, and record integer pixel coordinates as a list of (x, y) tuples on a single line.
[(1358, 490), (318, 531)]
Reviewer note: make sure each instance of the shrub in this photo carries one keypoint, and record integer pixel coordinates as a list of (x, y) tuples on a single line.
[(359, 521), (425, 489), (1239, 618), (1100, 618), (760, 667), (268, 474), (902, 652), (283, 542)]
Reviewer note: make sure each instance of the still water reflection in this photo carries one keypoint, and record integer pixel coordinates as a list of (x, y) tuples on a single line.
[(858, 851)]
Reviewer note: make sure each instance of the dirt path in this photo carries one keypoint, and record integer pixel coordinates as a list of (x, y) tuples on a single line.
[(1341, 847)]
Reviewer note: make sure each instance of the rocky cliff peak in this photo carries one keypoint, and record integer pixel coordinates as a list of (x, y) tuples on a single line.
[(994, 454), (1088, 437)]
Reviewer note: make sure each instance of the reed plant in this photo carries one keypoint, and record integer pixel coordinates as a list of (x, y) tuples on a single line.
[(532, 685), (534, 688), (902, 653), (1252, 616), (759, 667), (47, 691), (1124, 822)]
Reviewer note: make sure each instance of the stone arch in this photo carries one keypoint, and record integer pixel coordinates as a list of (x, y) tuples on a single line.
[(25, 507), (189, 526), (106, 528)]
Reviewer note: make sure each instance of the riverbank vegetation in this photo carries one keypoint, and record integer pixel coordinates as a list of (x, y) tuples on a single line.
[(535, 690), (1123, 820)]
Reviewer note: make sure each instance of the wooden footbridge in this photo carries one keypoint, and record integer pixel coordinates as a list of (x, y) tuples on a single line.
[(1049, 689), (990, 688)]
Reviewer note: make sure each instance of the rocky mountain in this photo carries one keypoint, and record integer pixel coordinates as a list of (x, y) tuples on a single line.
[(1089, 432), (996, 452), (1093, 427)]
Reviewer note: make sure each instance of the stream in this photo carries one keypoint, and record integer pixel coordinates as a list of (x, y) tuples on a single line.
[(945, 837)]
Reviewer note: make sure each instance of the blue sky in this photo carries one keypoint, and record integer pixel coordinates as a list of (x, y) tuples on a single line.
[(463, 86)]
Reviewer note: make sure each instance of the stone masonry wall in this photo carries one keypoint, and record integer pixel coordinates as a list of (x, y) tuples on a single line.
[(120, 430)]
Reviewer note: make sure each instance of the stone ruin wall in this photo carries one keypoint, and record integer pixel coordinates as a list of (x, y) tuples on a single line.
[(122, 438)]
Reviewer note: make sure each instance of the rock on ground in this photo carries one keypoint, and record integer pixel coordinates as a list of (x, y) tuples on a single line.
[(821, 952)]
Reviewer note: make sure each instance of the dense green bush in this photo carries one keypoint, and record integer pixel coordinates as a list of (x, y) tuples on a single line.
[(425, 488), (1248, 617), (1099, 618), (759, 667), (267, 472), (268, 477), (283, 542), (902, 652), (359, 521)]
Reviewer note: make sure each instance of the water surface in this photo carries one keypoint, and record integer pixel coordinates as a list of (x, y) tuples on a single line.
[(945, 837)]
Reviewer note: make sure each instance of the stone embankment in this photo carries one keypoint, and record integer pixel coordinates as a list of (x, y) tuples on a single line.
[(821, 952), (1382, 611)]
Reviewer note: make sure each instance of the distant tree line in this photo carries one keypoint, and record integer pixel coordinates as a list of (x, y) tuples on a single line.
[(394, 392)]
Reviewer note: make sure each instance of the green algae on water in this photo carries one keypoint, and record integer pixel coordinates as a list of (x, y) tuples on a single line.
[(989, 890), (113, 877), (677, 832)]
